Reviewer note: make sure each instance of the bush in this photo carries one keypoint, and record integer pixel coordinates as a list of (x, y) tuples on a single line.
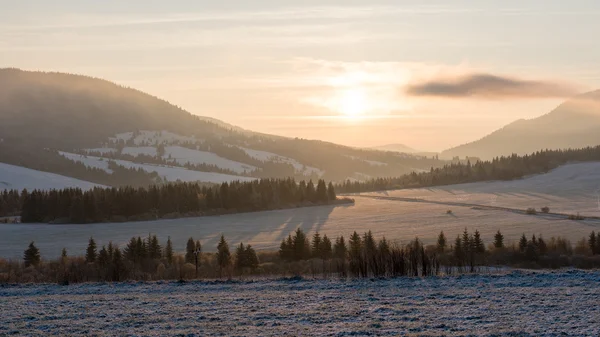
[(531, 211), (576, 217), (449, 211), (545, 209)]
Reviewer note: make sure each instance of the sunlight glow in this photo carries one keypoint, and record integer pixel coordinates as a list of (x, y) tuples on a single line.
[(352, 102)]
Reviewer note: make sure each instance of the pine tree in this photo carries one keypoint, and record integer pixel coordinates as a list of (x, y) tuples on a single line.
[(458, 250), (103, 257), (63, 254), (592, 243), (523, 243), (130, 250), (251, 258), (32, 255), (441, 242), (326, 249), (498, 240), (190, 247), (478, 245), (331, 192), (154, 248), (322, 195), (90, 253), (240, 258), (301, 246), (223, 255), (169, 251), (286, 249), (118, 267), (339, 248), (316, 245)]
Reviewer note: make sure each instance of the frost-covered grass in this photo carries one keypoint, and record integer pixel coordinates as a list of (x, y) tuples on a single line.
[(19, 178), (518, 303)]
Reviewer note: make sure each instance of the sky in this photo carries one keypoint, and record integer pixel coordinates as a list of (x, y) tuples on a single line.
[(428, 74)]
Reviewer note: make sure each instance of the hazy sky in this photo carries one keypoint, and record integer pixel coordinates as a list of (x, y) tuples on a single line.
[(430, 74)]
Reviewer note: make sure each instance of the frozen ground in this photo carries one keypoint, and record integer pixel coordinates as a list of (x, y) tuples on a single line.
[(568, 189), (19, 178), (573, 188), (519, 303)]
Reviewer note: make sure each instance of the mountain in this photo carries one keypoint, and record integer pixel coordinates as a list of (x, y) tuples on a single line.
[(395, 147), (97, 131), (573, 124)]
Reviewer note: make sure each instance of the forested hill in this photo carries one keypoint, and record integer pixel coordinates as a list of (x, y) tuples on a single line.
[(43, 113), (500, 168)]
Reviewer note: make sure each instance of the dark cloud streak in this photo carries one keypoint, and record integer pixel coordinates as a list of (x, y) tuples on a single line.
[(481, 85)]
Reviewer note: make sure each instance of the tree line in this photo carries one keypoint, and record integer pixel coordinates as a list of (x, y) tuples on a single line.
[(500, 168), (360, 256), (74, 205)]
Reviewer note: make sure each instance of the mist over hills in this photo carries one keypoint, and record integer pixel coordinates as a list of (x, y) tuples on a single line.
[(97, 131), (573, 124)]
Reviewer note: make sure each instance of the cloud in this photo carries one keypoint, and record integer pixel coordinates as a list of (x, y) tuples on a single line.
[(482, 85)]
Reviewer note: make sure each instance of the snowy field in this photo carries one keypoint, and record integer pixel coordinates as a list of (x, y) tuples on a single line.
[(19, 178), (568, 189), (518, 303), (573, 188)]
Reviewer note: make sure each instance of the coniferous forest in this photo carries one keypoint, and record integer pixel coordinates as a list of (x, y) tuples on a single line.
[(500, 168), (164, 201)]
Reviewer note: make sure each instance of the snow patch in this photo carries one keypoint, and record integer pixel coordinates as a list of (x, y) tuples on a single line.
[(19, 178)]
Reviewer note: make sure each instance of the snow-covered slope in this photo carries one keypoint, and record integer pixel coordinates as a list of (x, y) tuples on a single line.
[(170, 173), (184, 155), (18, 178), (265, 156)]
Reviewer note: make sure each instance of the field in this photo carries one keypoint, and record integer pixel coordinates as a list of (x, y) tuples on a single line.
[(399, 215), (518, 303)]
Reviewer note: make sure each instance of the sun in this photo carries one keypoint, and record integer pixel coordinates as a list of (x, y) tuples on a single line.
[(352, 102)]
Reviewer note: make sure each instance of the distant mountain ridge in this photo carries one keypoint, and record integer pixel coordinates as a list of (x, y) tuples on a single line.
[(44, 117), (573, 124)]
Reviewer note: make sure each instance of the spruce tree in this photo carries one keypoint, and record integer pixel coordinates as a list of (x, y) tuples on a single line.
[(63, 253), (339, 248), (523, 243), (498, 240), (223, 255), (130, 250), (478, 245), (301, 246), (31, 255), (154, 248), (331, 192), (441, 242), (251, 258), (458, 250), (118, 267), (169, 251), (316, 245), (103, 257), (240, 258), (190, 247), (90, 253), (592, 243), (326, 249), (322, 195)]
